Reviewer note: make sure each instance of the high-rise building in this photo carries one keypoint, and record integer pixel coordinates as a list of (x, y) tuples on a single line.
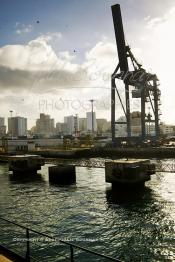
[(72, 125), (17, 126), (45, 125), (58, 128), (83, 124), (102, 125), (2, 121), (61, 128), (2, 127), (121, 129), (91, 125)]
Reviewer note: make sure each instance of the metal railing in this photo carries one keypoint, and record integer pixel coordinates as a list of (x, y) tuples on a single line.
[(72, 246), (159, 167)]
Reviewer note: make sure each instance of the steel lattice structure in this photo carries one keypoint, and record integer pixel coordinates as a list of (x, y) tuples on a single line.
[(138, 83)]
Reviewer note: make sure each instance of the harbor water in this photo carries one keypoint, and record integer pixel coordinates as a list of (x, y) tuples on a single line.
[(137, 226)]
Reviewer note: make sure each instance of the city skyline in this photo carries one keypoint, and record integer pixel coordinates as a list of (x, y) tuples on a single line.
[(45, 126), (49, 124), (54, 66), (5, 119)]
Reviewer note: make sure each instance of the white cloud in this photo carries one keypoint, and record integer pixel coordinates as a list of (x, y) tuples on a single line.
[(66, 55), (36, 64), (35, 56), (101, 62), (23, 29), (151, 23), (156, 41), (50, 36), (34, 68)]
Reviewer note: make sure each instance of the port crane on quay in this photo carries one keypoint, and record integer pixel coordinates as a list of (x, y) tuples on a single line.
[(138, 83)]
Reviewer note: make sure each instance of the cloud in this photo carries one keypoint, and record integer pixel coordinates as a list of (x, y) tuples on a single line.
[(50, 36), (23, 29), (157, 41), (33, 73), (36, 67), (40, 81), (66, 55), (100, 62), (159, 46)]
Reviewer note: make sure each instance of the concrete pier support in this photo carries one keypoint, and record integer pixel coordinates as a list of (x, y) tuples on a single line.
[(25, 164), (62, 174), (128, 172)]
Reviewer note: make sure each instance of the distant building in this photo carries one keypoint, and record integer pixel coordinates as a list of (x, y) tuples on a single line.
[(16, 145), (33, 130), (121, 128), (45, 126), (136, 123), (58, 129), (61, 129), (2, 121), (28, 145), (17, 126), (89, 121), (150, 129), (167, 130), (2, 127), (136, 128), (83, 124), (47, 142), (102, 125), (71, 124)]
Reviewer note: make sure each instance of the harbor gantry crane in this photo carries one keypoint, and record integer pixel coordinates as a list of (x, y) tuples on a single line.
[(138, 83)]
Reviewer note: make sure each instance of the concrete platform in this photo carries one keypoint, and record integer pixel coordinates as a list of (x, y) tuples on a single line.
[(128, 172), (25, 164)]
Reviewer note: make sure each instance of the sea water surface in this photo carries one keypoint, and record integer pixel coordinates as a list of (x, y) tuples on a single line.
[(131, 227)]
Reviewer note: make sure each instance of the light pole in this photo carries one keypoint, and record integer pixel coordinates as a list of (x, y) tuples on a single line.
[(76, 125), (92, 104), (11, 112)]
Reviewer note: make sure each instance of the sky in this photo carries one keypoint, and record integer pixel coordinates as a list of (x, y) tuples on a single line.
[(56, 55)]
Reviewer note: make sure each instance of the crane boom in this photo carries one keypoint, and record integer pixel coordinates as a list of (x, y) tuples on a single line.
[(120, 38)]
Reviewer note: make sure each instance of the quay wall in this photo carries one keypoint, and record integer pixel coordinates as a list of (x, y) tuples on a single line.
[(151, 152), (157, 152)]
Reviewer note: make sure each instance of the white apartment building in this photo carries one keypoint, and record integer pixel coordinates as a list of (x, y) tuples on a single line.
[(45, 125), (72, 124), (17, 126)]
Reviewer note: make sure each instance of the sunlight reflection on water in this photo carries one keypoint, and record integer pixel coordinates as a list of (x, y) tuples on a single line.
[(137, 227)]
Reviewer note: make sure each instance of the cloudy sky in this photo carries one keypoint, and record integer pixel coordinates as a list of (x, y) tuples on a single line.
[(55, 55)]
